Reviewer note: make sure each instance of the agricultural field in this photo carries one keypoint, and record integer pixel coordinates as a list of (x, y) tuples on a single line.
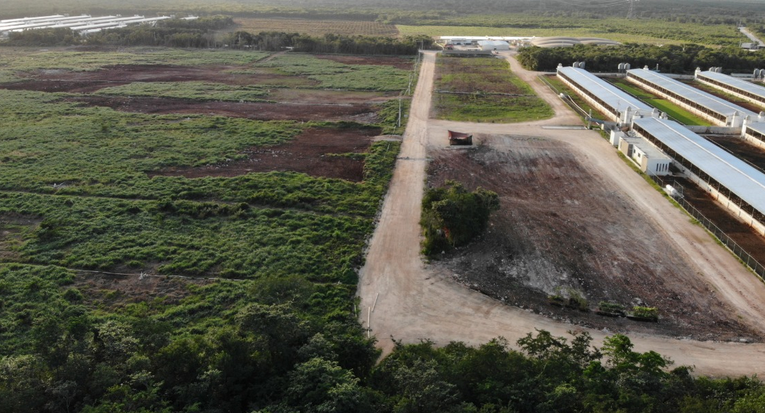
[(315, 27), (483, 90), (183, 197), (621, 30)]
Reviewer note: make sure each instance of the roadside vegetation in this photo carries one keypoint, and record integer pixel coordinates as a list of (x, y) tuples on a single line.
[(483, 90)]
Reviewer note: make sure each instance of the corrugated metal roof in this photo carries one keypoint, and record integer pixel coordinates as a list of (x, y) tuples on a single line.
[(739, 177), (735, 83), (711, 102), (603, 90)]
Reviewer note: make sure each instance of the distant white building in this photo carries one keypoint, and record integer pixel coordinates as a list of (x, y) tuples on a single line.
[(494, 45)]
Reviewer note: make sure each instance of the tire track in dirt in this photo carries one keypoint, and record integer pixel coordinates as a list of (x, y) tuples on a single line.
[(412, 301)]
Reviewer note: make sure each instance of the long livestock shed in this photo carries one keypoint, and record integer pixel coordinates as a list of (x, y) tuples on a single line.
[(754, 133), (710, 107), (602, 95), (734, 183), (82, 23), (735, 86)]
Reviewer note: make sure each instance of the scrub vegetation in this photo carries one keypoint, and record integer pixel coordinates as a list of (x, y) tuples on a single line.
[(125, 288)]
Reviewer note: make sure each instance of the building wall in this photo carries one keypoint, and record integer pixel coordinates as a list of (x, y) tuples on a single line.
[(755, 138)]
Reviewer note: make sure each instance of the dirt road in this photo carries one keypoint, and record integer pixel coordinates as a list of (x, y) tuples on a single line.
[(412, 301)]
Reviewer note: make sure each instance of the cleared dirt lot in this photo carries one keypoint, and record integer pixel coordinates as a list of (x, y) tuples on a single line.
[(562, 229)]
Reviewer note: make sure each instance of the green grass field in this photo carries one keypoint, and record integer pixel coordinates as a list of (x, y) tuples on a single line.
[(484, 90), (674, 111), (621, 30)]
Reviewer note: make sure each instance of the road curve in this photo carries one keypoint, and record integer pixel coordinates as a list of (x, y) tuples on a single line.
[(403, 298)]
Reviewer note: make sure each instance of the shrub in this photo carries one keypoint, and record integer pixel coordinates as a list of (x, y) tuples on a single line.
[(453, 216)]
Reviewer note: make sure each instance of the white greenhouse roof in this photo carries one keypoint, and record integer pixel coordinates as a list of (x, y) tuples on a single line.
[(709, 101), (603, 90), (735, 83), (739, 177)]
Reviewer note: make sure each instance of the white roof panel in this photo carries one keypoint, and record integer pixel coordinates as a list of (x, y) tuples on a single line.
[(709, 101), (611, 95), (739, 177), (735, 83)]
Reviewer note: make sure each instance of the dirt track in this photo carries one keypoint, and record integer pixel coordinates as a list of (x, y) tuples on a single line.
[(412, 301)]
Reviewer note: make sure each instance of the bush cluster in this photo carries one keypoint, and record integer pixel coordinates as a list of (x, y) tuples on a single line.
[(452, 216)]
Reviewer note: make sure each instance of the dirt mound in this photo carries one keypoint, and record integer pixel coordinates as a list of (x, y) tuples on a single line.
[(362, 113), (309, 153), (562, 230), (397, 62)]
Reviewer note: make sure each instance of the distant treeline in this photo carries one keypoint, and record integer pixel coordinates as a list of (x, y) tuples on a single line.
[(329, 43), (669, 58), (201, 34)]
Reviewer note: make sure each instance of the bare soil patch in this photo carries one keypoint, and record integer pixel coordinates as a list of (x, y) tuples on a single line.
[(397, 62), (362, 113), (562, 228), (91, 81), (742, 149), (313, 152), (117, 291)]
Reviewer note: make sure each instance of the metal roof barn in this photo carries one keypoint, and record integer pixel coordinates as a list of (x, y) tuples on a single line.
[(42, 23), (747, 90), (612, 99), (708, 161), (716, 109), (31, 19)]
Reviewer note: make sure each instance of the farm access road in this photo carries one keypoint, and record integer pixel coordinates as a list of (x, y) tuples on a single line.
[(403, 298)]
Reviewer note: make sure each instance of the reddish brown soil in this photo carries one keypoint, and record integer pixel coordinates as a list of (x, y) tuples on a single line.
[(397, 62), (91, 81), (307, 153), (362, 113), (561, 229)]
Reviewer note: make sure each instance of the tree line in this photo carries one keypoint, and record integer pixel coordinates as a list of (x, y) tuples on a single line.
[(668, 58), (201, 34)]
